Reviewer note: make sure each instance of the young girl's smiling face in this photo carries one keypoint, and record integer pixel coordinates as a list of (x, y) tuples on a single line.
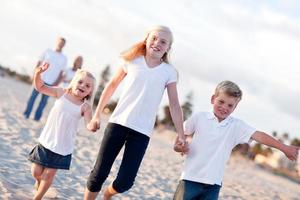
[(158, 43), (83, 87)]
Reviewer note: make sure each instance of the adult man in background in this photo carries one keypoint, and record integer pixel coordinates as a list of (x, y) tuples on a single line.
[(57, 64)]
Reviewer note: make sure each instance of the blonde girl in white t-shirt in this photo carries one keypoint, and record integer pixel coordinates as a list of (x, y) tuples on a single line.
[(147, 73), (56, 142)]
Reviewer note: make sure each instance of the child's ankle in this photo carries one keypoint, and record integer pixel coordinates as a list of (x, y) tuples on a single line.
[(36, 185), (109, 192)]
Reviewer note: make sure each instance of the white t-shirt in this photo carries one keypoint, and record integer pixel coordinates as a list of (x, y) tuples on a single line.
[(60, 130), (211, 146), (68, 76), (57, 63), (142, 94)]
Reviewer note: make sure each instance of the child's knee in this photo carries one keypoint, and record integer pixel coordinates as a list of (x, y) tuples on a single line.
[(48, 174), (36, 174), (36, 171)]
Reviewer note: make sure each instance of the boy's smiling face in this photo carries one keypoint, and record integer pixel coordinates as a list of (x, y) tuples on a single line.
[(223, 105)]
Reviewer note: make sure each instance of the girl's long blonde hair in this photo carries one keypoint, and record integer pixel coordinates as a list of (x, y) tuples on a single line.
[(139, 49), (82, 73)]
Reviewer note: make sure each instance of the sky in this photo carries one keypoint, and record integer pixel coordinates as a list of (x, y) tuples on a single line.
[(251, 42)]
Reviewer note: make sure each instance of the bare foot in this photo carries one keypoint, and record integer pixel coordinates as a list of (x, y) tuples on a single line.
[(51, 193)]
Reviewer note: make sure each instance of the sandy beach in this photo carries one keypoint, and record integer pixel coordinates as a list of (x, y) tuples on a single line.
[(158, 175)]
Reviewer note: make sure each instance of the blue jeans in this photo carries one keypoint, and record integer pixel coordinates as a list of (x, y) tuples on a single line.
[(39, 110), (189, 190)]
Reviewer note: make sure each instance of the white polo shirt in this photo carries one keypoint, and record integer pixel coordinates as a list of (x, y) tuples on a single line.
[(211, 146), (142, 93)]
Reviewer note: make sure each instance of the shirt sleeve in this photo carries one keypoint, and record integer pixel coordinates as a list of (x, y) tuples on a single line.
[(190, 125), (173, 76), (124, 64), (244, 133), (43, 57)]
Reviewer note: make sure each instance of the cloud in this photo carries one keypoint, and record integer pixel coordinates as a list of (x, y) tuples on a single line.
[(253, 43)]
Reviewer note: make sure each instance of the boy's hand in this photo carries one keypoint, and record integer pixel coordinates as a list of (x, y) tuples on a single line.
[(93, 125), (181, 139), (40, 69), (181, 146), (291, 152)]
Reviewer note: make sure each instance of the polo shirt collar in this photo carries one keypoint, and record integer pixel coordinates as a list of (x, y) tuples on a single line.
[(211, 116)]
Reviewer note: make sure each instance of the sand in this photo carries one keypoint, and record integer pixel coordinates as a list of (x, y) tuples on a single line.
[(158, 175)]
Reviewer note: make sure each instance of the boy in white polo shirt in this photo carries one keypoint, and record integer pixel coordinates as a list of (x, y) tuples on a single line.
[(215, 134)]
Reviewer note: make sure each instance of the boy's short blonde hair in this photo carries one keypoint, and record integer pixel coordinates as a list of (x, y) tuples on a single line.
[(229, 88)]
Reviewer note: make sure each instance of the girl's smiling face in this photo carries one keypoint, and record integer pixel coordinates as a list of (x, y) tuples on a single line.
[(158, 43), (83, 87)]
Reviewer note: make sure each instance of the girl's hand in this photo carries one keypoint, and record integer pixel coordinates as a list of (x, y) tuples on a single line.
[(181, 147), (93, 125), (181, 139), (40, 69), (291, 152)]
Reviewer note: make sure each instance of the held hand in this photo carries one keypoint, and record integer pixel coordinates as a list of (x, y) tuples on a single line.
[(291, 152), (181, 146), (181, 139), (40, 69), (93, 125)]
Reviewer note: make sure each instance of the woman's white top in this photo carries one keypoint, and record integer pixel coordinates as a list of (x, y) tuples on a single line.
[(60, 130), (68, 76), (142, 93)]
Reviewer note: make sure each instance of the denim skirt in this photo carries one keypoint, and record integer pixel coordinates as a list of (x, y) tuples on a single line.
[(46, 158)]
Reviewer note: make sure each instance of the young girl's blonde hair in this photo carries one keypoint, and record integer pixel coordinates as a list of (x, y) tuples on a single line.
[(78, 75), (139, 49)]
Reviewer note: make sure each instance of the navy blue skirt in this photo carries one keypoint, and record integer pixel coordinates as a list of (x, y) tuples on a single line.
[(44, 157)]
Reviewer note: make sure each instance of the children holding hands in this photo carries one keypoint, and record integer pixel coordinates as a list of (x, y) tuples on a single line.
[(146, 71)]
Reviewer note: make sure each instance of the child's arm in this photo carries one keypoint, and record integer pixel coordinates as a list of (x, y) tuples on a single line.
[(290, 151), (176, 111), (86, 112), (106, 94), (40, 86)]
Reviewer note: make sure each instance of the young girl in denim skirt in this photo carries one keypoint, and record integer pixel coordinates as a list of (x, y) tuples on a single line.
[(146, 73), (56, 141)]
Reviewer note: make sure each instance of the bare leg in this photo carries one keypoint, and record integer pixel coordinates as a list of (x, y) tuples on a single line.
[(109, 192), (88, 195), (37, 171), (46, 181)]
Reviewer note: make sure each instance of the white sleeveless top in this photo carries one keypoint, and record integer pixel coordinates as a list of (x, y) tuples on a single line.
[(60, 130)]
